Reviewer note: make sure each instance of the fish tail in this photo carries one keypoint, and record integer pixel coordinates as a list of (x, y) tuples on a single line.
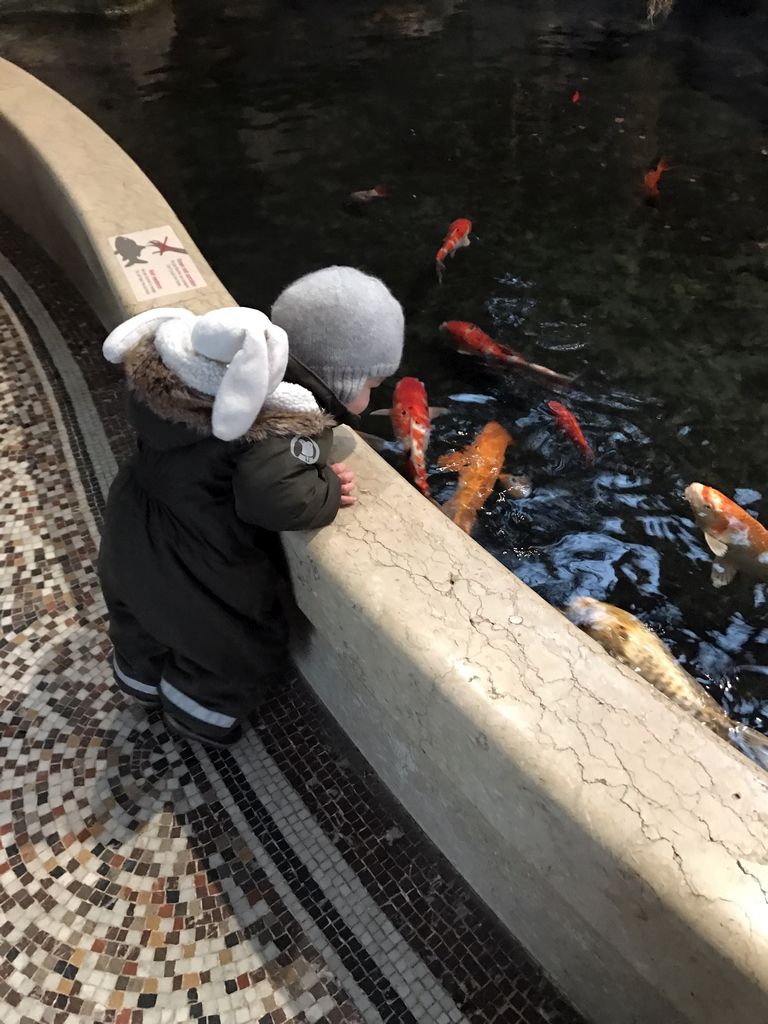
[(557, 378), (543, 371), (752, 743), (439, 267)]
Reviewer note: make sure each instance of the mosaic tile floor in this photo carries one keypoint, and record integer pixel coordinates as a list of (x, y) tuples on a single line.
[(143, 881)]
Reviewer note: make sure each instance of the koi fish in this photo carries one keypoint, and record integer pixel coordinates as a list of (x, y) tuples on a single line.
[(576, 97), (367, 194), (738, 542), (470, 339), (626, 638), (652, 178), (570, 427), (478, 466), (411, 424), (457, 237)]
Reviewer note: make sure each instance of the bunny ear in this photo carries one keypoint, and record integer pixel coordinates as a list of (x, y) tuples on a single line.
[(254, 372), (125, 337)]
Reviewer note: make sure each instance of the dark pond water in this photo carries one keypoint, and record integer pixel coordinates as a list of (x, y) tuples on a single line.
[(258, 118)]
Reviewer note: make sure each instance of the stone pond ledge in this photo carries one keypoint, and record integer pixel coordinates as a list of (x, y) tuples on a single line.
[(625, 846), (108, 8)]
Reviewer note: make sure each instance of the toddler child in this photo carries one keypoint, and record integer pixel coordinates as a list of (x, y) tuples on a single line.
[(233, 415)]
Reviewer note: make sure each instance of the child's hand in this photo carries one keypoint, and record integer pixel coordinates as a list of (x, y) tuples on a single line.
[(347, 480)]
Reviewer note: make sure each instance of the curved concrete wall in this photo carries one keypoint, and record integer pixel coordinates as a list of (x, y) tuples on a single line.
[(91, 7), (623, 844)]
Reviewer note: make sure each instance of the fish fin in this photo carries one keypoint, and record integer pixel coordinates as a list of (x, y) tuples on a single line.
[(439, 267), (377, 443), (452, 462), (380, 412), (437, 410), (723, 573), (717, 547), (751, 743), (464, 518)]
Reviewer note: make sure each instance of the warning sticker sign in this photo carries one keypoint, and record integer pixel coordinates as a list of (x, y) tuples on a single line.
[(156, 263)]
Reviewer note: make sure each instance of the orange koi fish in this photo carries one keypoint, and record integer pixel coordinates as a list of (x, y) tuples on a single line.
[(457, 237), (411, 424), (367, 194), (576, 97), (478, 466), (652, 178), (736, 539), (570, 427), (471, 339)]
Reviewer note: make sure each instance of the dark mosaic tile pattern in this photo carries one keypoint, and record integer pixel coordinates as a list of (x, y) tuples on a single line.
[(490, 977), (134, 883)]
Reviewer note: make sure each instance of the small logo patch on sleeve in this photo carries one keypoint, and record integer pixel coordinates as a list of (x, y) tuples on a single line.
[(305, 450)]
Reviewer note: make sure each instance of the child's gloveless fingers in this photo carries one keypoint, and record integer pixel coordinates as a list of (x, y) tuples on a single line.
[(347, 500)]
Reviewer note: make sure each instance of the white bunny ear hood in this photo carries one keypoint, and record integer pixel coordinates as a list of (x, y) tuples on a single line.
[(234, 356)]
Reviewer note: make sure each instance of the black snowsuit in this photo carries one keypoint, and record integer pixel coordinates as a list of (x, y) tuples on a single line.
[(190, 561)]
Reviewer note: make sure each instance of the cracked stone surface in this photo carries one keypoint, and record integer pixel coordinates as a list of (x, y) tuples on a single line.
[(531, 756)]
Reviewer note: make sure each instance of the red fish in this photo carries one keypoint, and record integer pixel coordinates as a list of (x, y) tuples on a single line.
[(570, 427), (470, 338), (411, 424), (576, 97), (367, 194), (457, 237), (652, 178)]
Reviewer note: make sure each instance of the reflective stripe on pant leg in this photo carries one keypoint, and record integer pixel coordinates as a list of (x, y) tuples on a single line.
[(145, 689), (190, 707)]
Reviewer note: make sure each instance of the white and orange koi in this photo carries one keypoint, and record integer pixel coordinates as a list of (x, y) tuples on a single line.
[(457, 238), (736, 539)]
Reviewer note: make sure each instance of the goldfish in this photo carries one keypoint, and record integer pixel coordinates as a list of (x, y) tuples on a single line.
[(570, 426), (470, 338), (576, 97), (410, 417), (738, 542), (629, 641), (367, 194), (457, 237), (478, 466), (652, 178)]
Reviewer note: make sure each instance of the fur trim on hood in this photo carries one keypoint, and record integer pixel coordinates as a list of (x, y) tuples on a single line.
[(169, 398)]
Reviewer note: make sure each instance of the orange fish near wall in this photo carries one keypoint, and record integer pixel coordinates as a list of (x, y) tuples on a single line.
[(457, 237), (471, 339), (411, 424), (478, 466)]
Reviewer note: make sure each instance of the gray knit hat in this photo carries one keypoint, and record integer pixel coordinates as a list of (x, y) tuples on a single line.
[(344, 325)]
